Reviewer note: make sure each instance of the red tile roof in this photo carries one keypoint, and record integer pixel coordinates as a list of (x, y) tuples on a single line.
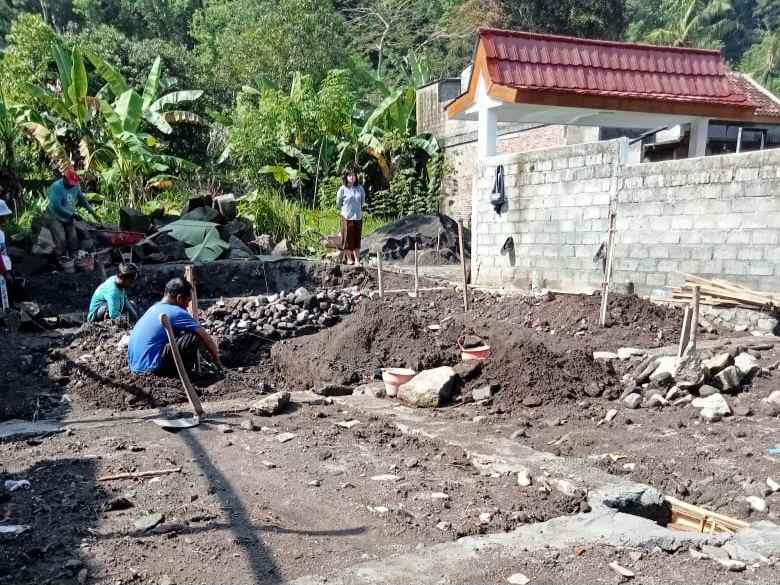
[(531, 61), (767, 104)]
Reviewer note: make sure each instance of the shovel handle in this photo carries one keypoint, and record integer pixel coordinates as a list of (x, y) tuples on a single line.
[(192, 395)]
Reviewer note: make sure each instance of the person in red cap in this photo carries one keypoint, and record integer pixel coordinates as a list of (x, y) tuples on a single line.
[(65, 197)]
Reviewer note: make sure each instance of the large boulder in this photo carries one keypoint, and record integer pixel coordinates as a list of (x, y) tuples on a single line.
[(429, 388), (431, 232)]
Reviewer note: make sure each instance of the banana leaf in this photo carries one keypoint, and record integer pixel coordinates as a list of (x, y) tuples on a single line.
[(209, 249), (189, 231)]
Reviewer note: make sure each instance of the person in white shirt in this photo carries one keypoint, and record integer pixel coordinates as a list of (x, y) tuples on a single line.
[(349, 201)]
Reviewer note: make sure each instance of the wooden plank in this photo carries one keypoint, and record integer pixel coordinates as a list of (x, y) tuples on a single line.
[(694, 316), (416, 270), (379, 278), (139, 474), (192, 395)]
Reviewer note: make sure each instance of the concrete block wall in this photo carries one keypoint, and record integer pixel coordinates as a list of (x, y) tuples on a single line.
[(717, 216), (713, 216), (556, 213)]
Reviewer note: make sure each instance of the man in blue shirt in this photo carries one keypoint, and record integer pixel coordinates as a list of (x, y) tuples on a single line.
[(65, 197), (149, 351), (109, 301)]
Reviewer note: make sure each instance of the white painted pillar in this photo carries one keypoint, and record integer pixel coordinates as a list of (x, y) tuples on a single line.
[(700, 129), (487, 130)]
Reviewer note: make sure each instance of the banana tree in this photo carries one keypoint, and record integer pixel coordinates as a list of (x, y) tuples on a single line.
[(9, 133), (128, 160), (152, 108)]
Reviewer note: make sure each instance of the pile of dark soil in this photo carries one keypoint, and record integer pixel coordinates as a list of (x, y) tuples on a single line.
[(630, 319), (94, 369), (380, 334), (530, 370)]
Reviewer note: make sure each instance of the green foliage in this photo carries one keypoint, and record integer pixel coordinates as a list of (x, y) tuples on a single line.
[(762, 61), (27, 59), (328, 189), (303, 227), (693, 23), (141, 18), (237, 41)]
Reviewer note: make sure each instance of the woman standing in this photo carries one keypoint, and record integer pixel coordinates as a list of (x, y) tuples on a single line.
[(349, 201)]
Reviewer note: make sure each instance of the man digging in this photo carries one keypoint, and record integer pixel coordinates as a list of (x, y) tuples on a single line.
[(149, 350), (109, 301)]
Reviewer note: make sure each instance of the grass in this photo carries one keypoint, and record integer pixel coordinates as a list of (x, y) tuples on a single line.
[(302, 227)]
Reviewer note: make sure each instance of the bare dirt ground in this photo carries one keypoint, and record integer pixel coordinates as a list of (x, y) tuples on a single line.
[(246, 508)]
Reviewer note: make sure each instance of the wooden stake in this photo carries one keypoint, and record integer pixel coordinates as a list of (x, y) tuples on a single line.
[(192, 396), (608, 274), (463, 265), (416, 272), (686, 332), (139, 474), (379, 275), (695, 316), (189, 274)]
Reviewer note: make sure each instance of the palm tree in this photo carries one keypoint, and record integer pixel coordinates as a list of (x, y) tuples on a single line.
[(693, 23), (762, 61)]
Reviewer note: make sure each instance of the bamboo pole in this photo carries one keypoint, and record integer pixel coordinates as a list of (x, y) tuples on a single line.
[(380, 280), (608, 272), (189, 274), (463, 266), (416, 271)]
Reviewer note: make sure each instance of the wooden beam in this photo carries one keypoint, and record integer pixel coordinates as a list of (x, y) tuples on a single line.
[(192, 395), (463, 266)]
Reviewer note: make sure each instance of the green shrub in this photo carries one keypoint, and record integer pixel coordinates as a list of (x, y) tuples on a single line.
[(327, 191)]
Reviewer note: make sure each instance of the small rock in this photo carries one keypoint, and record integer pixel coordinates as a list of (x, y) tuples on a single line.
[(716, 363), (707, 390), (611, 414), (379, 509), (224, 428), (604, 355), (620, 570), (709, 415), (248, 424), (715, 402), (746, 365), (332, 390), (284, 437), (468, 370), (566, 487), (314, 483), (385, 477), (485, 518), (411, 462), (729, 379), (348, 424), (743, 411), (166, 580), (524, 478), (518, 579), (656, 400), (484, 392), (269, 464), (429, 388), (444, 526), (773, 485), (532, 401), (148, 522), (674, 393), (119, 503), (518, 434), (756, 504), (731, 564), (625, 353), (635, 555), (632, 401), (271, 405), (662, 378), (773, 398)]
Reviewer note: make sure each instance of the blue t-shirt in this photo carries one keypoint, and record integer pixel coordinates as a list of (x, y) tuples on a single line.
[(63, 200), (148, 338)]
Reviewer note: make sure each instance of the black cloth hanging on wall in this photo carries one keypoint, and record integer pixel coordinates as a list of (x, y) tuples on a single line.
[(497, 196)]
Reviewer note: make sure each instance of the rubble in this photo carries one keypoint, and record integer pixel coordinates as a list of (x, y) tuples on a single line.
[(271, 405)]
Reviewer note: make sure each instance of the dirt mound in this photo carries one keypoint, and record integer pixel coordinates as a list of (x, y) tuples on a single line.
[(94, 369), (530, 371), (380, 334)]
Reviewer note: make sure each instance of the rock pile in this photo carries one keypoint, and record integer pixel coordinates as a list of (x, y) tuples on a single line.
[(282, 315), (697, 378)]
